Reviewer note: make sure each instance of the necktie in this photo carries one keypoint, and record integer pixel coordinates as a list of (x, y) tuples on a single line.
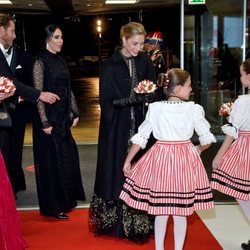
[(9, 50)]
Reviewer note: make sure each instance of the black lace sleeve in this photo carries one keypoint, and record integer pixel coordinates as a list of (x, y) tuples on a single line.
[(38, 84), (74, 108)]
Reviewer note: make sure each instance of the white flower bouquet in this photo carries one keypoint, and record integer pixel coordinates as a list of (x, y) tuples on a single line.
[(226, 109), (145, 87), (6, 85)]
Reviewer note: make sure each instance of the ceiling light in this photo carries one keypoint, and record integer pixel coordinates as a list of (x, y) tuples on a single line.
[(5, 2), (121, 1)]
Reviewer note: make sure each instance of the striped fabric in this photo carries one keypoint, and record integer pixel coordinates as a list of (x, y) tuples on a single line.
[(233, 176), (169, 179)]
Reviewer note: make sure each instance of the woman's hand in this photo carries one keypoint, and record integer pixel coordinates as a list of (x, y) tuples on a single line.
[(48, 130), (126, 168), (75, 121)]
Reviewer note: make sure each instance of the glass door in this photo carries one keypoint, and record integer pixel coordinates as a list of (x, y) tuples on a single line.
[(213, 51)]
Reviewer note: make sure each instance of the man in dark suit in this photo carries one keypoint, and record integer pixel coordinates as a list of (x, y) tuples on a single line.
[(20, 111), (16, 64)]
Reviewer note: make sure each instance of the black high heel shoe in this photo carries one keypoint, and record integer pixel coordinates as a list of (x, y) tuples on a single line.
[(62, 216), (246, 246)]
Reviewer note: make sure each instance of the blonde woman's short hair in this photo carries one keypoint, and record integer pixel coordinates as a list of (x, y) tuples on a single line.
[(131, 29)]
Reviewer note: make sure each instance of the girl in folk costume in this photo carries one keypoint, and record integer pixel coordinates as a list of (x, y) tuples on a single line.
[(170, 178), (231, 165)]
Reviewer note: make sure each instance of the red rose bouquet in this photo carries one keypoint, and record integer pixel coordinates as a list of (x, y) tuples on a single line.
[(225, 109), (6, 85)]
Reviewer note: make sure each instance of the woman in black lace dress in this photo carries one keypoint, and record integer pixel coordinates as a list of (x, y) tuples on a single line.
[(58, 177)]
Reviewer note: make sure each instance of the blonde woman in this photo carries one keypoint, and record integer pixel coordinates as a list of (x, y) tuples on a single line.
[(121, 114)]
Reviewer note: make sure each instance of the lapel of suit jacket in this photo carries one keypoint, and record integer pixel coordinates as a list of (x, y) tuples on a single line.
[(13, 62), (3, 59)]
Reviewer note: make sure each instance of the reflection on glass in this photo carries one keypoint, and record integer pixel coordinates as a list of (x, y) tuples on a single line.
[(213, 53)]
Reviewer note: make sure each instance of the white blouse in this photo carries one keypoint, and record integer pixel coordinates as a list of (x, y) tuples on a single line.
[(174, 121), (239, 117)]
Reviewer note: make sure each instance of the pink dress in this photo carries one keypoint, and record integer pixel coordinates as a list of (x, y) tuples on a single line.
[(233, 176), (170, 178), (10, 229)]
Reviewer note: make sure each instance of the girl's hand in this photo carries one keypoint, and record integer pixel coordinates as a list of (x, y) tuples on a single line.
[(127, 168), (48, 130), (201, 148), (198, 149), (75, 121), (217, 161)]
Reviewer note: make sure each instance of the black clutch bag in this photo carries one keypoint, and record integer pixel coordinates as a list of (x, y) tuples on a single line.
[(5, 119)]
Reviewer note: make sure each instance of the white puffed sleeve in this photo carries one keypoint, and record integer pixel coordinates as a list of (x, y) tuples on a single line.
[(202, 126), (236, 119), (229, 129), (144, 131)]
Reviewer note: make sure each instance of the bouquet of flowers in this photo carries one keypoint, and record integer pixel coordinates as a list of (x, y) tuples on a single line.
[(145, 87), (6, 85), (225, 109)]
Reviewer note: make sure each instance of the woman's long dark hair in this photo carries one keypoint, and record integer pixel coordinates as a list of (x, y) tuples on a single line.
[(49, 31)]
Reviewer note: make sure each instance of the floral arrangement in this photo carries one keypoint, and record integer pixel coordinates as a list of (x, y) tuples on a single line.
[(6, 85), (145, 87), (225, 109)]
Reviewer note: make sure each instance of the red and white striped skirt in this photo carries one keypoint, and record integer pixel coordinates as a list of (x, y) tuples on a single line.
[(169, 179), (233, 176)]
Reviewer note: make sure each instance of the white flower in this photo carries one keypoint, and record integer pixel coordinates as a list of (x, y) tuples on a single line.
[(6, 85), (145, 86), (226, 109)]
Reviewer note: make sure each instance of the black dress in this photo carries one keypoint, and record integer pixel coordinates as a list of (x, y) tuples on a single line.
[(108, 215), (56, 158)]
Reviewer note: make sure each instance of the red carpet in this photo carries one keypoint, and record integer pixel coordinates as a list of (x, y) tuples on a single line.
[(48, 233)]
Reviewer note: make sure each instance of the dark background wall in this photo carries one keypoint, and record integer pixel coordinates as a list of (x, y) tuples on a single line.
[(80, 35)]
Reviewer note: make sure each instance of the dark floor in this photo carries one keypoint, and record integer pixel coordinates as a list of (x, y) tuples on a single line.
[(87, 154), (207, 157)]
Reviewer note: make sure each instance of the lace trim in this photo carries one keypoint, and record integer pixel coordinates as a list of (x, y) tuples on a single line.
[(206, 139), (139, 140), (173, 102), (230, 130), (130, 62), (137, 224), (103, 219), (74, 108), (102, 215), (38, 84)]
